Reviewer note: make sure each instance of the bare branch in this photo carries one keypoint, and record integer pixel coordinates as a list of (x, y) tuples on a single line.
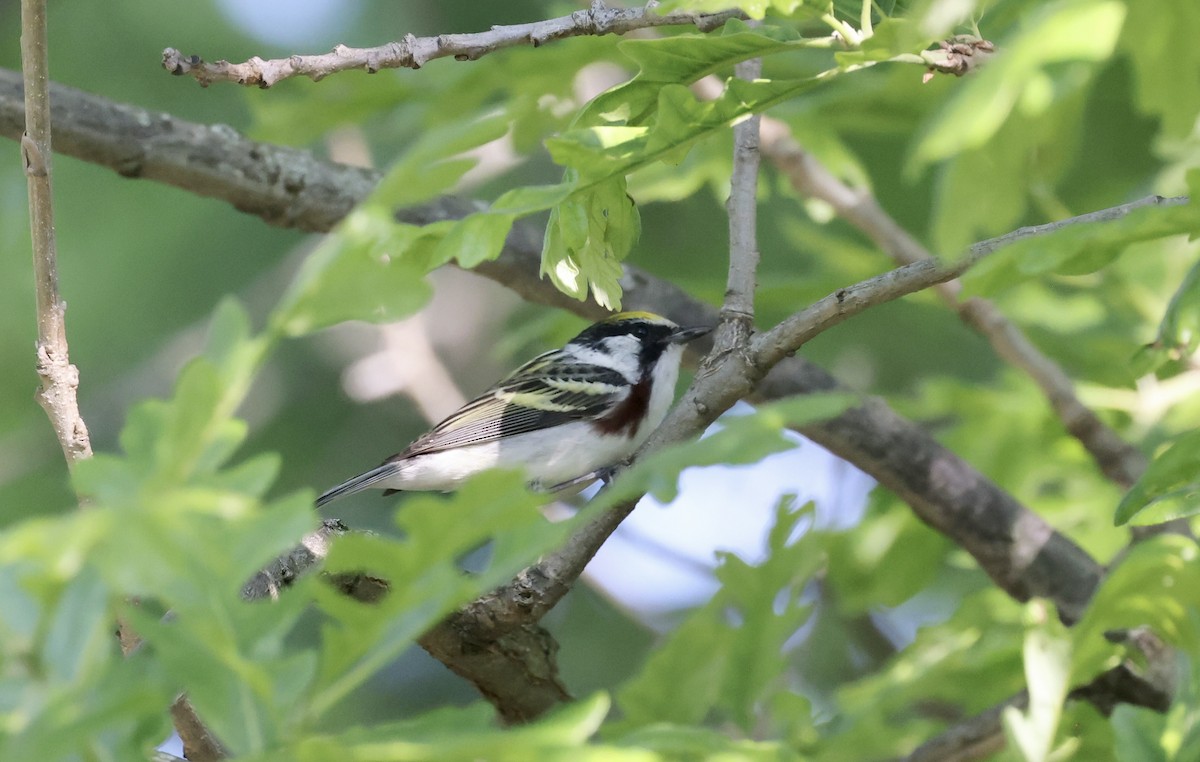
[(414, 52), (742, 208), (958, 55), (199, 744), (286, 187), (59, 378)]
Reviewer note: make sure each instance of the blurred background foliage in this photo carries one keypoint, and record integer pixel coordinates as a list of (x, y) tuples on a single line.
[(1095, 105)]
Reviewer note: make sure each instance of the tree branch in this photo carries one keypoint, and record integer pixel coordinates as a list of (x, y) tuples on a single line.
[(59, 378), (414, 52), (742, 208), (199, 744)]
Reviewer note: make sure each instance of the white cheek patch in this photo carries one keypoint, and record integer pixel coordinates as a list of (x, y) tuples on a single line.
[(621, 357)]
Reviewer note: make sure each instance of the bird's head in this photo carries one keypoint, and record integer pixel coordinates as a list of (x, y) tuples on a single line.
[(633, 342)]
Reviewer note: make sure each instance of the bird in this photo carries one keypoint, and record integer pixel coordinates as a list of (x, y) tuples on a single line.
[(566, 416)]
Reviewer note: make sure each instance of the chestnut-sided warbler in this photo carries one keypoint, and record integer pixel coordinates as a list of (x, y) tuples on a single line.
[(562, 416)]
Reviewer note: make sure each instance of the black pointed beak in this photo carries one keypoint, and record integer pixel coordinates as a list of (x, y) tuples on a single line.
[(684, 335)]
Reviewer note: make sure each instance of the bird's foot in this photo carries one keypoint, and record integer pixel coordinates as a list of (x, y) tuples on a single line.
[(604, 474)]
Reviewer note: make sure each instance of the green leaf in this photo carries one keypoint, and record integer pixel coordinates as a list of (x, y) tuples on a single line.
[(476, 238), (196, 438), (370, 269), (571, 725), (469, 733), (586, 239), (143, 427), (681, 742), (18, 626), (1078, 249), (755, 9), (228, 345), (1024, 155), (422, 572), (1179, 332), (681, 681), (685, 58), (768, 599), (1047, 668), (114, 714), (431, 166), (1157, 585), (1154, 45), (1171, 485), (1182, 733), (301, 116), (231, 693), (252, 477), (890, 38), (729, 652), (1138, 734), (889, 537), (107, 479), (1068, 30), (531, 199), (80, 636), (606, 152), (592, 231)]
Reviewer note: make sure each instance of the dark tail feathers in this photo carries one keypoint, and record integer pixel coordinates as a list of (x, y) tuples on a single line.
[(359, 483)]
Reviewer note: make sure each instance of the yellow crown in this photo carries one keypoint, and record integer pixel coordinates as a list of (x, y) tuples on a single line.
[(636, 315)]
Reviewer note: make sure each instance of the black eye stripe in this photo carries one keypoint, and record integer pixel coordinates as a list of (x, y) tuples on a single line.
[(646, 332)]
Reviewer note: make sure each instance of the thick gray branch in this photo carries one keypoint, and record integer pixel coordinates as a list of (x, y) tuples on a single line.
[(286, 187)]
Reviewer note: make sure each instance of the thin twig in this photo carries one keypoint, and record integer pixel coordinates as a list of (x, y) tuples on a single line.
[(1103, 215), (59, 378), (414, 52), (742, 208), (1118, 460)]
